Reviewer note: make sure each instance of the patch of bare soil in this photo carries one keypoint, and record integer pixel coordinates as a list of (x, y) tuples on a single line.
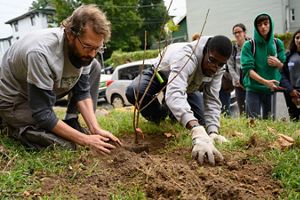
[(165, 175)]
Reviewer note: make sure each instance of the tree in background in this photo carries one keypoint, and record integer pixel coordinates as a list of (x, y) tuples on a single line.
[(126, 22), (129, 18), (153, 13)]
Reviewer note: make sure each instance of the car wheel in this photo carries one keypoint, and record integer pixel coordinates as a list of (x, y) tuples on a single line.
[(117, 101)]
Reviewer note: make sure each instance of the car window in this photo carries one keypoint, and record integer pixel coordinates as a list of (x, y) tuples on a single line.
[(129, 73)]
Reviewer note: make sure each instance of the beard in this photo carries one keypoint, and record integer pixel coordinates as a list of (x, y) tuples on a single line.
[(77, 60)]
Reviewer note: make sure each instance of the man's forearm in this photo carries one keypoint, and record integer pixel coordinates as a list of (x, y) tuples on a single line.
[(86, 109), (256, 77), (67, 132)]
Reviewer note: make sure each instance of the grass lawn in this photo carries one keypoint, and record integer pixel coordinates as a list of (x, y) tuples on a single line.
[(254, 167)]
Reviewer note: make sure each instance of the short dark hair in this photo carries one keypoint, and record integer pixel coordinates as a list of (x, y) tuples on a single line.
[(261, 18), (220, 44), (242, 26)]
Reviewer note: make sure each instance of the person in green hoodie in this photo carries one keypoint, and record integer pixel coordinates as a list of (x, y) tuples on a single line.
[(261, 59)]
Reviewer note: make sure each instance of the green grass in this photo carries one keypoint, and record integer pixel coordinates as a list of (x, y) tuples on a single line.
[(21, 172), (287, 169), (18, 175), (286, 163), (134, 193)]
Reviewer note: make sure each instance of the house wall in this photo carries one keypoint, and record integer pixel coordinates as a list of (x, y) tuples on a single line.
[(181, 34), (25, 26), (294, 25), (224, 14), (4, 45)]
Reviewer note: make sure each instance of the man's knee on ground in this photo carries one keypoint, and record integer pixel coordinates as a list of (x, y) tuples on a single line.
[(130, 94)]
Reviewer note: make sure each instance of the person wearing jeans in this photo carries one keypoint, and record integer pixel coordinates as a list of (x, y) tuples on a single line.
[(234, 65), (261, 58), (291, 77), (192, 72)]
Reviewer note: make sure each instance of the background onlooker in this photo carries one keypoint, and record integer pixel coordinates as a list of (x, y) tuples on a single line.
[(291, 77), (234, 64), (261, 59), (196, 36)]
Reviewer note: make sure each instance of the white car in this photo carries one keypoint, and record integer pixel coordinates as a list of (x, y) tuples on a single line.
[(105, 80), (121, 78)]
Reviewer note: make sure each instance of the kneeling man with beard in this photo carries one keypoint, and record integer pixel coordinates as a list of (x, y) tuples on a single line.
[(47, 65)]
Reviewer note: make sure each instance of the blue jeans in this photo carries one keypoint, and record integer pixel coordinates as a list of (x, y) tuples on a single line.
[(156, 111), (225, 100), (258, 105)]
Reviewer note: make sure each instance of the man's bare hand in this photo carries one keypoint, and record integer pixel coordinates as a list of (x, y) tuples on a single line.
[(109, 136), (99, 143), (274, 62), (273, 85)]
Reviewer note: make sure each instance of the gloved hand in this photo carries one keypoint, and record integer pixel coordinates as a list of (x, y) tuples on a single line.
[(203, 146), (218, 138)]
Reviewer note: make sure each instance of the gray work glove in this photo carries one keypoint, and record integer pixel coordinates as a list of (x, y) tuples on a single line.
[(218, 138), (203, 146)]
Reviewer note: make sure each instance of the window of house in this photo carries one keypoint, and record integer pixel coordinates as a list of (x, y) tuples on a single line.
[(32, 20), (16, 27), (293, 18)]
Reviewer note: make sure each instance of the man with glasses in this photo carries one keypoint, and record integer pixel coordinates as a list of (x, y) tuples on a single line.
[(46, 65), (185, 70)]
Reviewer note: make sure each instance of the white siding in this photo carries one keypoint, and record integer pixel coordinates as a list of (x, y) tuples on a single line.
[(226, 13), (294, 25), (4, 45), (25, 26)]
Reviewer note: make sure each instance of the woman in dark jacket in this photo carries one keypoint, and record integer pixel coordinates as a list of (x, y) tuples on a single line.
[(291, 77)]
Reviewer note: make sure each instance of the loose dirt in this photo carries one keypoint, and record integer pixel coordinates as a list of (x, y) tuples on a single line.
[(165, 174)]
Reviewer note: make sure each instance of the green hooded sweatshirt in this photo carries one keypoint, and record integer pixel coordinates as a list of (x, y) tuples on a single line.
[(259, 61)]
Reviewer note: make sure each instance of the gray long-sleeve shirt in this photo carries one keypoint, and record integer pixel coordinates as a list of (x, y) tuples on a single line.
[(36, 69)]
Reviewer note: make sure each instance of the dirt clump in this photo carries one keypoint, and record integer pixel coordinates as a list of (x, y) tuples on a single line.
[(162, 174)]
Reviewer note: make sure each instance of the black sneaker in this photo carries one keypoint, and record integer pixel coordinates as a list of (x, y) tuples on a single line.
[(74, 123)]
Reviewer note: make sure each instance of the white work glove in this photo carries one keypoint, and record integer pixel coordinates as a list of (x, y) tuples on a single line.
[(218, 138), (203, 146)]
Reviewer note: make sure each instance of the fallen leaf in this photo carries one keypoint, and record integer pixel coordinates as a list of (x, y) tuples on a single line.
[(287, 138), (283, 142), (237, 134), (26, 193), (272, 130), (168, 135)]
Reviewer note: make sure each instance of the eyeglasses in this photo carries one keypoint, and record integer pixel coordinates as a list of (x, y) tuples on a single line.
[(237, 32), (213, 61), (89, 48)]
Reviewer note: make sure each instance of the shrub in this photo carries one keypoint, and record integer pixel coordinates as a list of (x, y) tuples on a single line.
[(119, 57), (286, 38)]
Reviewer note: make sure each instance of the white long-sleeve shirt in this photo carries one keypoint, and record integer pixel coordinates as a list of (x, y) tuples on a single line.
[(185, 59)]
